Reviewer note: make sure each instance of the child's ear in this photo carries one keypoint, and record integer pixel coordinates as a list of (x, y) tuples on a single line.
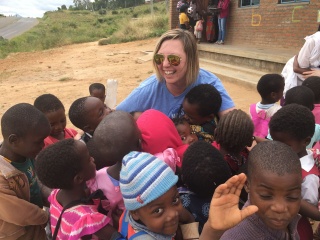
[(247, 186), (135, 215), (78, 179), (307, 140), (13, 138)]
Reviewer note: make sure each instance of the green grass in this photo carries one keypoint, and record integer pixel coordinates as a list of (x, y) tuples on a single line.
[(60, 28)]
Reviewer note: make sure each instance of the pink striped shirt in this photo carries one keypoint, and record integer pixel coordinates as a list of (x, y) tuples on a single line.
[(77, 221)]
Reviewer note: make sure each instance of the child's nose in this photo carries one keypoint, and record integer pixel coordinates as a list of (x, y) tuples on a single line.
[(279, 206), (172, 214)]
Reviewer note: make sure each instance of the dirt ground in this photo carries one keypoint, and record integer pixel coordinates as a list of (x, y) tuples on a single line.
[(68, 71)]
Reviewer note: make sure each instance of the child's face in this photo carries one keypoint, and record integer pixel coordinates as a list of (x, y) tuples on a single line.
[(298, 146), (192, 114), (184, 131), (88, 166), (277, 197), (96, 111), (58, 122), (30, 145), (161, 215), (99, 93)]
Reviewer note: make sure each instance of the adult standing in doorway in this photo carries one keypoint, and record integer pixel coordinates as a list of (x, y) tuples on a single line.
[(223, 5), (176, 64)]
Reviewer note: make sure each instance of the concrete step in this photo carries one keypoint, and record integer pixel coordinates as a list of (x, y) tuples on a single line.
[(229, 72), (265, 60)]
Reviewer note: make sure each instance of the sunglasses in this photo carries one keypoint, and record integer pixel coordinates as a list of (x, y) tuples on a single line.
[(174, 60)]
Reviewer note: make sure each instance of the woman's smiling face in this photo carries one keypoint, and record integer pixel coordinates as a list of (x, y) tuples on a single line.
[(174, 75)]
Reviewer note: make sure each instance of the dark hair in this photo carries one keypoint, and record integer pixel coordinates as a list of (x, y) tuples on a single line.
[(234, 131), (300, 95), (183, 8), (77, 113), (21, 119), (98, 86), (48, 103), (204, 169), (179, 120), (275, 157), (269, 83), (314, 84), (58, 164), (207, 97), (294, 119), (115, 137)]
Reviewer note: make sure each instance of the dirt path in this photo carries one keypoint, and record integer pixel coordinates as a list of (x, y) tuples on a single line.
[(68, 71)]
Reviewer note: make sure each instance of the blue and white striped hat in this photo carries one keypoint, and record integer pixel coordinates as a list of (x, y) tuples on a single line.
[(144, 178)]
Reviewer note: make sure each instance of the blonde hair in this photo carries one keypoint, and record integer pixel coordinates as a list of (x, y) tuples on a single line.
[(190, 48)]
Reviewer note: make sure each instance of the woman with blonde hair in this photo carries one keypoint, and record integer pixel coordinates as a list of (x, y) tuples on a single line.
[(176, 64)]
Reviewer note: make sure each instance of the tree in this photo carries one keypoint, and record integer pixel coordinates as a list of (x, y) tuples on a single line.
[(63, 7)]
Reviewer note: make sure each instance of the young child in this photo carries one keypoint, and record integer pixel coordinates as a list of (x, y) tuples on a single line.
[(158, 134), (314, 84), (183, 17), (198, 29), (203, 169), (54, 110), (274, 186), (86, 113), (98, 90), (294, 125), (65, 167), (201, 106), (24, 129), (151, 198), (184, 130), (116, 135), (270, 88), (301, 95), (233, 136)]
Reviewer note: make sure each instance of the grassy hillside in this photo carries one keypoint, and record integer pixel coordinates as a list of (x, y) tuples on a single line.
[(67, 27)]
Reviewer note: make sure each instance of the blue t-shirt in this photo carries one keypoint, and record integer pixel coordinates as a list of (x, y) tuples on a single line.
[(152, 94)]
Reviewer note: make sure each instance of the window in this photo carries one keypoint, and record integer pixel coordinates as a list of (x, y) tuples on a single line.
[(248, 3), (293, 1)]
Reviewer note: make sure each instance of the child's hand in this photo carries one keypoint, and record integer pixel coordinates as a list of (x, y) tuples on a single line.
[(224, 211)]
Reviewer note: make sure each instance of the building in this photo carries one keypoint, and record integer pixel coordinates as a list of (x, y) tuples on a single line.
[(267, 23)]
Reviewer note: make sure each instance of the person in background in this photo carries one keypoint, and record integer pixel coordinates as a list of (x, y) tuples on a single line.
[(314, 84), (183, 18), (98, 90), (224, 6), (198, 29)]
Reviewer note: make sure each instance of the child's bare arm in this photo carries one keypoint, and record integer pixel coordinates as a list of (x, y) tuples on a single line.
[(224, 211), (309, 210)]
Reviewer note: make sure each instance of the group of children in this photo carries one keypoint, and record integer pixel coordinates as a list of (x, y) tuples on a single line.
[(142, 175)]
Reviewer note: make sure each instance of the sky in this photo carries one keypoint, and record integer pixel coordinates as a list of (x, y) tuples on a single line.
[(31, 8)]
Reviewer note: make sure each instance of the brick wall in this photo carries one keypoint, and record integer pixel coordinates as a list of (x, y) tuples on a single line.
[(270, 24)]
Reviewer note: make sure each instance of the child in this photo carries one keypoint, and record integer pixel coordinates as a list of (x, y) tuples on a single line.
[(274, 186), (301, 95), (151, 198), (270, 88), (184, 130), (198, 29), (86, 113), (98, 90), (116, 135), (233, 136), (66, 166), (24, 129), (314, 84), (158, 133), (294, 125), (203, 169), (54, 110), (201, 106), (183, 17)]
